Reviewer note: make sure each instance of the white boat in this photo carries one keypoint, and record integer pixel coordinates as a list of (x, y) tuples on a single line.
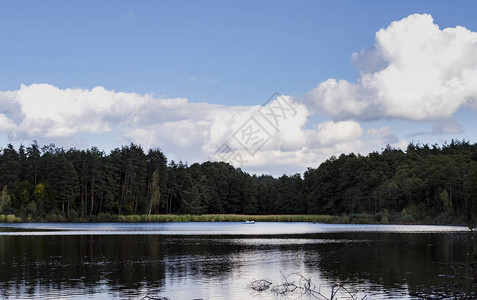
[(249, 222)]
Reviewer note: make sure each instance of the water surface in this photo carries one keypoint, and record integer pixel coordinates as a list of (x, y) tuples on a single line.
[(219, 260)]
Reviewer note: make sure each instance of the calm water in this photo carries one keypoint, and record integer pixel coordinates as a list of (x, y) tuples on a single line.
[(219, 260)]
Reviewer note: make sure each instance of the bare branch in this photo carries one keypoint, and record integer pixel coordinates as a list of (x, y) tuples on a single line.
[(297, 283)]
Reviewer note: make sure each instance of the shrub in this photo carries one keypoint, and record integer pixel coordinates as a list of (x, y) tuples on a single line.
[(445, 218), (55, 218), (361, 219), (72, 215), (407, 219), (31, 208), (11, 218), (105, 217), (51, 217)]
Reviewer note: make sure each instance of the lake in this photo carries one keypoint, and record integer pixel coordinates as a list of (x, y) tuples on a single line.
[(224, 260)]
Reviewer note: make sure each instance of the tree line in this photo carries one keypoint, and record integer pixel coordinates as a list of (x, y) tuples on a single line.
[(424, 181)]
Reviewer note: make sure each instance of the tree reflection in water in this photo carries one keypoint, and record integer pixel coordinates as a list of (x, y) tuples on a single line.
[(131, 266)]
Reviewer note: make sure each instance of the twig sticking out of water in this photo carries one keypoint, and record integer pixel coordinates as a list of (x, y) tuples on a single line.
[(297, 283)]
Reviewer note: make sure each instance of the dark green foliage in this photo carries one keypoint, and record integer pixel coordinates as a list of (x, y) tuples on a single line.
[(290, 198), (423, 184), (437, 180), (156, 181), (266, 193), (65, 183), (9, 167)]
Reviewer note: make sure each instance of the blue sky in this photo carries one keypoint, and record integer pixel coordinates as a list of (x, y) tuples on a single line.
[(234, 55)]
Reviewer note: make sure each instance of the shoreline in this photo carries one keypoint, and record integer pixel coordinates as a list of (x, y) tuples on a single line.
[(170, 218)]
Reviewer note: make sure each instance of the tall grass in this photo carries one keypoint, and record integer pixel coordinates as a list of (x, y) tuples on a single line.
[(226, 218), (378, 218)]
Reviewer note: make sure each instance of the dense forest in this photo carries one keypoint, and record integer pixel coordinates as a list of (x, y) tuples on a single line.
[(424, 183)]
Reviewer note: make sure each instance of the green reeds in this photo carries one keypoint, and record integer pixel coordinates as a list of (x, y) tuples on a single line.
[(226, 218)]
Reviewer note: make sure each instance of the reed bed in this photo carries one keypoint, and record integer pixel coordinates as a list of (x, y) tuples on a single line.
[(226, 218)]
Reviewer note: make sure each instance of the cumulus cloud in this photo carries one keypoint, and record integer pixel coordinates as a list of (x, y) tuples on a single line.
[(6, 125), (385, 136), (331, 133), (414, 71), (43, 110), (269, 137), (280, 123), (378, 132), (272, 134)]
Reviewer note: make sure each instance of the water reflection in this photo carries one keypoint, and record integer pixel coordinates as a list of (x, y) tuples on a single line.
[(210, 228), (380, 265)]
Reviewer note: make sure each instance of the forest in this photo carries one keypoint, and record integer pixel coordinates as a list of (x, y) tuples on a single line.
[(423, 184)]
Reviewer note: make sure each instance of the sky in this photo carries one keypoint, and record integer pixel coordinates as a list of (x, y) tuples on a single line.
[(271, 87)]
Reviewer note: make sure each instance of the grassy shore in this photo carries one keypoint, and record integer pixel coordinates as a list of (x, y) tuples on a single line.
[(226, 218), (379, 218), (176, 218)]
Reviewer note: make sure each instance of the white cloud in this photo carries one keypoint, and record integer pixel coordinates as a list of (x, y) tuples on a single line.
[(6, 125), (378, 132), (414, 71), (261, 136), (331, 133), (43, 110), (280, 122), (385, 136), (187, 131)]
